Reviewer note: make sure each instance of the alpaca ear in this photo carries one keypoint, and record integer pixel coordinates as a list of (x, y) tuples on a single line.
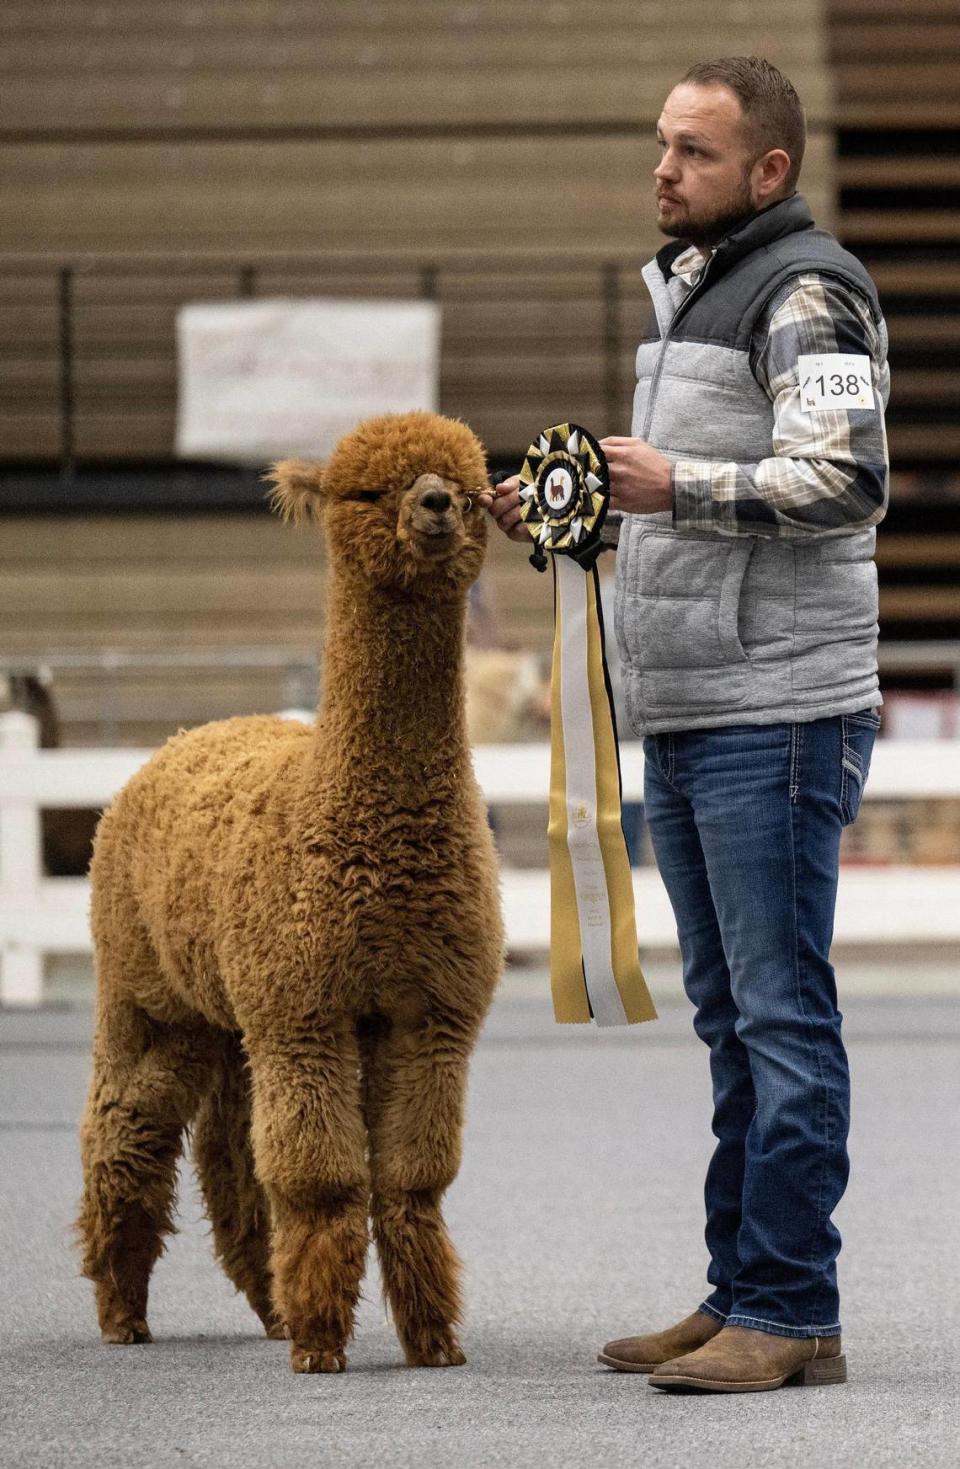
[(298, 489)]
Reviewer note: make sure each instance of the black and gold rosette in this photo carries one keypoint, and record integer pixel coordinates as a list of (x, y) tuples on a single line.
[(564, 492), (594, 965)]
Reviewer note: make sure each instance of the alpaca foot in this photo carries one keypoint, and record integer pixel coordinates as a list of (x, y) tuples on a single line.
[(126, 1333), (430, 1350), (122, 1313), (317, 1359)]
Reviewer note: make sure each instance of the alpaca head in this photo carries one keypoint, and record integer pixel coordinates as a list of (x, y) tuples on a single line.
[(397, 499)]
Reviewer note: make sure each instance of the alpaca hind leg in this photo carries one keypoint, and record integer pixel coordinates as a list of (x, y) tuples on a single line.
[(310, 1149), (147, 1078), (415, 1081), (235, 1200)]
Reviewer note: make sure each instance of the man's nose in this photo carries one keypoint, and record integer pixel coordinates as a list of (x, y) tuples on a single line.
[(436, 500), (666, 168)]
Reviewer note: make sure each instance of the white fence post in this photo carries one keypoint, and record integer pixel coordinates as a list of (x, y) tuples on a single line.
[(21, 866)]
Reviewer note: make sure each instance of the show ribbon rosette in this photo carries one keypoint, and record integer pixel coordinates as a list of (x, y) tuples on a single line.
[(594, 965)]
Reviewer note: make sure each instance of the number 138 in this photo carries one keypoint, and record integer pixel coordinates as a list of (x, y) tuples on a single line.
[(839, 384)]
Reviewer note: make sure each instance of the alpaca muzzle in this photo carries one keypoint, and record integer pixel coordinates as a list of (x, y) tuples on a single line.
[(435, 522)]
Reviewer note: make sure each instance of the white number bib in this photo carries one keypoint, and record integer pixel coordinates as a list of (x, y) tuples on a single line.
[(835, 380)]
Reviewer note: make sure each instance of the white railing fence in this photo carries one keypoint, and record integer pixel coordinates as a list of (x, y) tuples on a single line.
[(41, 915)]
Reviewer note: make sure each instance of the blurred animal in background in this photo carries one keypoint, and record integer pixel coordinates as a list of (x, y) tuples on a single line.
[(506, 690), (505, 685), (66, 833), (297, 934)]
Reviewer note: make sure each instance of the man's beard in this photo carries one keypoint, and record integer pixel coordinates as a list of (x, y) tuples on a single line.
[(710, 229)]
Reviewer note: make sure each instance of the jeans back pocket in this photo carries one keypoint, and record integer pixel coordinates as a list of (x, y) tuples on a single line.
[(857, 735)]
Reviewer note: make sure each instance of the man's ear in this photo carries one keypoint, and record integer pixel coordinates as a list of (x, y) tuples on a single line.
[(771, 170), (298, 489)]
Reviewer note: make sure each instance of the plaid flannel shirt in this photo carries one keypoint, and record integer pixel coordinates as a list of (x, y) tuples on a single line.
[(829, 474)]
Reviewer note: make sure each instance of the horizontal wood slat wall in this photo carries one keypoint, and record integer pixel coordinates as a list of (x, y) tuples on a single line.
[(403, 193), (896, 64), (244, 66)]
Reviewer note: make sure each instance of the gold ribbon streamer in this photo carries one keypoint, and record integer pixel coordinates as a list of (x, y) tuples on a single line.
[(571, 976)]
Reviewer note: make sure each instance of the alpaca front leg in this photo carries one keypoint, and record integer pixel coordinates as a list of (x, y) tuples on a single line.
[(415, 1081), (310, 1151)]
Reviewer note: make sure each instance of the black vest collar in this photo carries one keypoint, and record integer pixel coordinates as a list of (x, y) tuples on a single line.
[(785, 217)]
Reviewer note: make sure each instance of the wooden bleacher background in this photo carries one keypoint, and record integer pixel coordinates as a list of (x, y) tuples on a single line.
[(374, 148), (895, 65), (431, 133)]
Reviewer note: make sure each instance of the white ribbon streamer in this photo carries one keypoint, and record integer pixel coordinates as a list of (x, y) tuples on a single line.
[(590, 883)]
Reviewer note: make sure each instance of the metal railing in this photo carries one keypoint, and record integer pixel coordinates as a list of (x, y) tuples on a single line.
[(426, 274), (298, 669)]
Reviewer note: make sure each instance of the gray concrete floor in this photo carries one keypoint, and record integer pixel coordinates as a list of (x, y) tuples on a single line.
[(578, 1213)]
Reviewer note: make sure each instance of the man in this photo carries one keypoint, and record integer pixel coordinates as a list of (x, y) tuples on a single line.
[(746, 500)]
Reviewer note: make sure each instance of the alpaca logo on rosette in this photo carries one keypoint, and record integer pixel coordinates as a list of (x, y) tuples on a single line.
[(560, 489), (564, 490)]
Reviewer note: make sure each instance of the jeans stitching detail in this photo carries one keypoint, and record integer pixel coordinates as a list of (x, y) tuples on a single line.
[(736, 1318), (661, 758), (844, 777), (665, 751), (711, 1311), (796, 745)]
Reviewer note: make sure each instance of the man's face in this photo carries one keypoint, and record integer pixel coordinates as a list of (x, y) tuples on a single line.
[(703, 179)]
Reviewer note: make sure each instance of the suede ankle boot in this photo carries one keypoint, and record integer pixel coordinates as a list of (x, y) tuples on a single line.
[(739, 1359), (643, 1353)]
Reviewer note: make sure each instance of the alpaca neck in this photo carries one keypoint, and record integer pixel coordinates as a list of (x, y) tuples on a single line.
[(393, 683)]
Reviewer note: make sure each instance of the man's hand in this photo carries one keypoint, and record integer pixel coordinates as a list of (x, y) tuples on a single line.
[(639, 483), (503, 504), (639, 476)]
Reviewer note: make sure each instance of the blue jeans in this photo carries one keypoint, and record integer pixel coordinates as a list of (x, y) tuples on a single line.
[(745, 823)]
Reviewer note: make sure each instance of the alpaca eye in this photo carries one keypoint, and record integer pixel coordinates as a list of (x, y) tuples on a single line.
[(368, 495)]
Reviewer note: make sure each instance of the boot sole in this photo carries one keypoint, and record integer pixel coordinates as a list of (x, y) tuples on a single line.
[(821, 1372), (620, 1366)]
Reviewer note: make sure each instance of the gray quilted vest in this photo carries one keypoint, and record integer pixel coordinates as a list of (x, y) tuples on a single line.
[(719, 629)]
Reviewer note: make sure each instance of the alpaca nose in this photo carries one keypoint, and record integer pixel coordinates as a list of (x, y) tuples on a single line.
[(436, 500)]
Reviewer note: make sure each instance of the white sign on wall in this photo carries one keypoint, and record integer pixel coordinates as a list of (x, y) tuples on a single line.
[(262, 379)]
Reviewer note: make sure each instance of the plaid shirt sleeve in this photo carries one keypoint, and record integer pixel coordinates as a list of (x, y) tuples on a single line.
[(829, 473)]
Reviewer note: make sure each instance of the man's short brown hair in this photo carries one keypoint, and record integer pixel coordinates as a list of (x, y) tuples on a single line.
[(771, 108)]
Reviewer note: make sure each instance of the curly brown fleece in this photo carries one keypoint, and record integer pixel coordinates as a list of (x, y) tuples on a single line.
[(297, 936)]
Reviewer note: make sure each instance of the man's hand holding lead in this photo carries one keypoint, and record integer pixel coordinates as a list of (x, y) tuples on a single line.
[(503, 503), (639, 476)]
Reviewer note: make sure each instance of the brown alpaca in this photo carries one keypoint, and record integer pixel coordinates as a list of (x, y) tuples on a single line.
[(297, 937)]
